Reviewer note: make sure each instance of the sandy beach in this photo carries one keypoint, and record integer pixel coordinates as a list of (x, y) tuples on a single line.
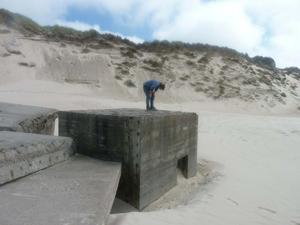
[(248, 151)]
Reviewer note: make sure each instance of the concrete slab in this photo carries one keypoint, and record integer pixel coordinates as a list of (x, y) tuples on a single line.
[(79, 191), (23, 153), (150, 145), (29, 119)]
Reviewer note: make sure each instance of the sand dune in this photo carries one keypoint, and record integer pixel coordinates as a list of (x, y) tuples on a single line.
[(248, 148)]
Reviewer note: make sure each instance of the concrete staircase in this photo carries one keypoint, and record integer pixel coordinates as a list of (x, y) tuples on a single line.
[(42, 182), (79, 191), (22, 153), (28, 119)]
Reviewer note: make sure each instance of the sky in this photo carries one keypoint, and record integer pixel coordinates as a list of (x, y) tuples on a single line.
[(257, 27)]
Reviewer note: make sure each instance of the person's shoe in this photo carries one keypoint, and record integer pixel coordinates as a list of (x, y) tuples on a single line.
[(153, 109)]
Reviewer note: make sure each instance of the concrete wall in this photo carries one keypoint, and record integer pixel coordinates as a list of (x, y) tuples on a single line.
[(150, 146)]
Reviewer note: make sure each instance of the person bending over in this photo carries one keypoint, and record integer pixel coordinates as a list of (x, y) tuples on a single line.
[(150, 87)]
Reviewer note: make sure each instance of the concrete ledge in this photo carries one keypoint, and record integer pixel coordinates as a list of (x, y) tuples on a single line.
[(22, 153), (150, 145), (79, 191), (29, 119)]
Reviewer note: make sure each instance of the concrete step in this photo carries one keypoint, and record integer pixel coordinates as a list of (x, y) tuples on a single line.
[(79, 191), (23, 153), (29, 119)]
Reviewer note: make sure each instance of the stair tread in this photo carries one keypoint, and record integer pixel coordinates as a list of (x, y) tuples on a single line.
[(79, 191)]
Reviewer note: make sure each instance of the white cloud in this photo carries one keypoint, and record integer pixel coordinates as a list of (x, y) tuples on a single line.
[(134, 39), (77, 25), (265, 27), (280, 20), (217, 23)]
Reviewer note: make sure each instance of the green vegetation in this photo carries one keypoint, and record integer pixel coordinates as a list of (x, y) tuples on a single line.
[(59, 32), (28, 27), (265, 62), (118, 77), (184, 77), (19, 22), (189, 49), (153, 63), (190, 63), (129, 83)]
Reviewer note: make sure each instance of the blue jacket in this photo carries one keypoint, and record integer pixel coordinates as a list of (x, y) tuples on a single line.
[(151, 85)]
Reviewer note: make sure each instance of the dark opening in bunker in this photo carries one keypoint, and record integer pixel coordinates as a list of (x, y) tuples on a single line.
[(182, 164)]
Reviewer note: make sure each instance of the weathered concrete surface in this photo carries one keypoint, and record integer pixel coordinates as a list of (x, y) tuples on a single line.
[(22, 153), (76, 192), (150, 145), (29, 119)]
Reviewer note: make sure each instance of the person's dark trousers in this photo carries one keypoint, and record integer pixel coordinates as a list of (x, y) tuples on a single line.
[(149, 99)]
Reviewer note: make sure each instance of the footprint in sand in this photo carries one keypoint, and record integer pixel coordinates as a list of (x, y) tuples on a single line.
[(268, 210), (295, 131), (234, 202)]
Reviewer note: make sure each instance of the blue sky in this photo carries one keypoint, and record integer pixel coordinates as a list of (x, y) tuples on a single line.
[(257, 27), (107, 22)]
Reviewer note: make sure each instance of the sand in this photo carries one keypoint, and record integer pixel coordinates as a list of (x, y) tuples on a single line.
[(255, 159), (249, 154)]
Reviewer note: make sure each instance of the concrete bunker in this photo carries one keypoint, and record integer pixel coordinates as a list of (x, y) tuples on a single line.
[(150, 145)]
